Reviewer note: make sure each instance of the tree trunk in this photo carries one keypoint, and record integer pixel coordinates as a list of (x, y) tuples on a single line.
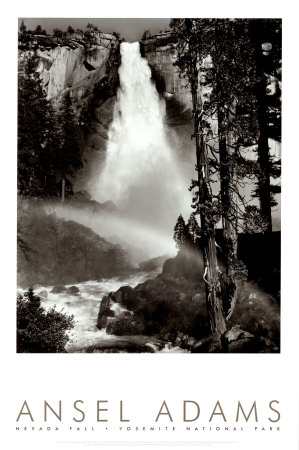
[(62, 190), (228, 200), (211, 275), (263, 157)]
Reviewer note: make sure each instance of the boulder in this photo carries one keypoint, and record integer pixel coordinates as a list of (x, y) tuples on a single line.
[(125, 325), (126, 297), (235, 333), (210, 344), (120, 347), (73, 290), (43, 294), (105, 312), (253, 345), (184, 341), (59, 289)]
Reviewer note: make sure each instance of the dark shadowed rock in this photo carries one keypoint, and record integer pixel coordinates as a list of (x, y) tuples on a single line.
[(105, 312), (121, 347), (253, 345), (126, 325), (59, 289), (188, 264), (210, 344), (161, 306), (125, 296), (184, 341), (73, 290), (235, 333)]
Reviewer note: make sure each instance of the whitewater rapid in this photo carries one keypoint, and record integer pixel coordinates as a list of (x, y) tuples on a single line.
[(85, 305)]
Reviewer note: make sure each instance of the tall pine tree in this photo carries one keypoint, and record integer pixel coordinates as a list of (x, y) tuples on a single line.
[(36, 133), (265, 35), (69, 157), (180, 233), (191, 51)]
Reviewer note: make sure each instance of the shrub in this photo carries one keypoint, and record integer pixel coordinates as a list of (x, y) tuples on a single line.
[(40, 330)]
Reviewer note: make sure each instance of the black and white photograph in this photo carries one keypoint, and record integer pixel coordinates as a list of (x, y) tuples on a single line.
[(148, 185), (149, 225)]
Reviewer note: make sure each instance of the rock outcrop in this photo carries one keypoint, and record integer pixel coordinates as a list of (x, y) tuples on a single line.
[(161, 53), (70, 63), (172, 307), (105, 312)]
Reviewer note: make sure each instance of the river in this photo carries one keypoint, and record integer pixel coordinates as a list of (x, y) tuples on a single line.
[(85, 305)]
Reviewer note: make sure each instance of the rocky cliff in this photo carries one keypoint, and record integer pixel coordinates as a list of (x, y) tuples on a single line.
[(161, 53), (71, 63)]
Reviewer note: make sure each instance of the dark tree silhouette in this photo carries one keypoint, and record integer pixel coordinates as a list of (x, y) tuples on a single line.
[(69, 158), (265, 35), (40, 330), (191, 51), (70, 29), (36, 134), (23, 27), (193, 228), (180, 232)]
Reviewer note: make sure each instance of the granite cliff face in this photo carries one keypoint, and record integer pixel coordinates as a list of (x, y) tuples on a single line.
[(161, 53), (71, 63)]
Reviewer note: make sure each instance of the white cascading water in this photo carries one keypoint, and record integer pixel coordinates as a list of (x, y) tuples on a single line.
[(140, 174)]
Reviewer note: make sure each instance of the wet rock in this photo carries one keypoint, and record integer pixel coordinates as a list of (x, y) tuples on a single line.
[(73, 290), (125, 325), (125, 296), (179, 338), (210, 344), (253, 345), (184, 341), (58, 289), (43, 294), (189, 342), (121, 347), (105, 312), (235, 333)]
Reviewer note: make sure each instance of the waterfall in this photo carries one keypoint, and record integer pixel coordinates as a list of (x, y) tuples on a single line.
[(141, 174)]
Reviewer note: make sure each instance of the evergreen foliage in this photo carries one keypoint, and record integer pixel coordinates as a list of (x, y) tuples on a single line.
[(180, 232), (69, 156), (39, 30), (35, 134), (238, 59), (23, 27), (193, 228), (221, 61), (48, 142), (40, 330)]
